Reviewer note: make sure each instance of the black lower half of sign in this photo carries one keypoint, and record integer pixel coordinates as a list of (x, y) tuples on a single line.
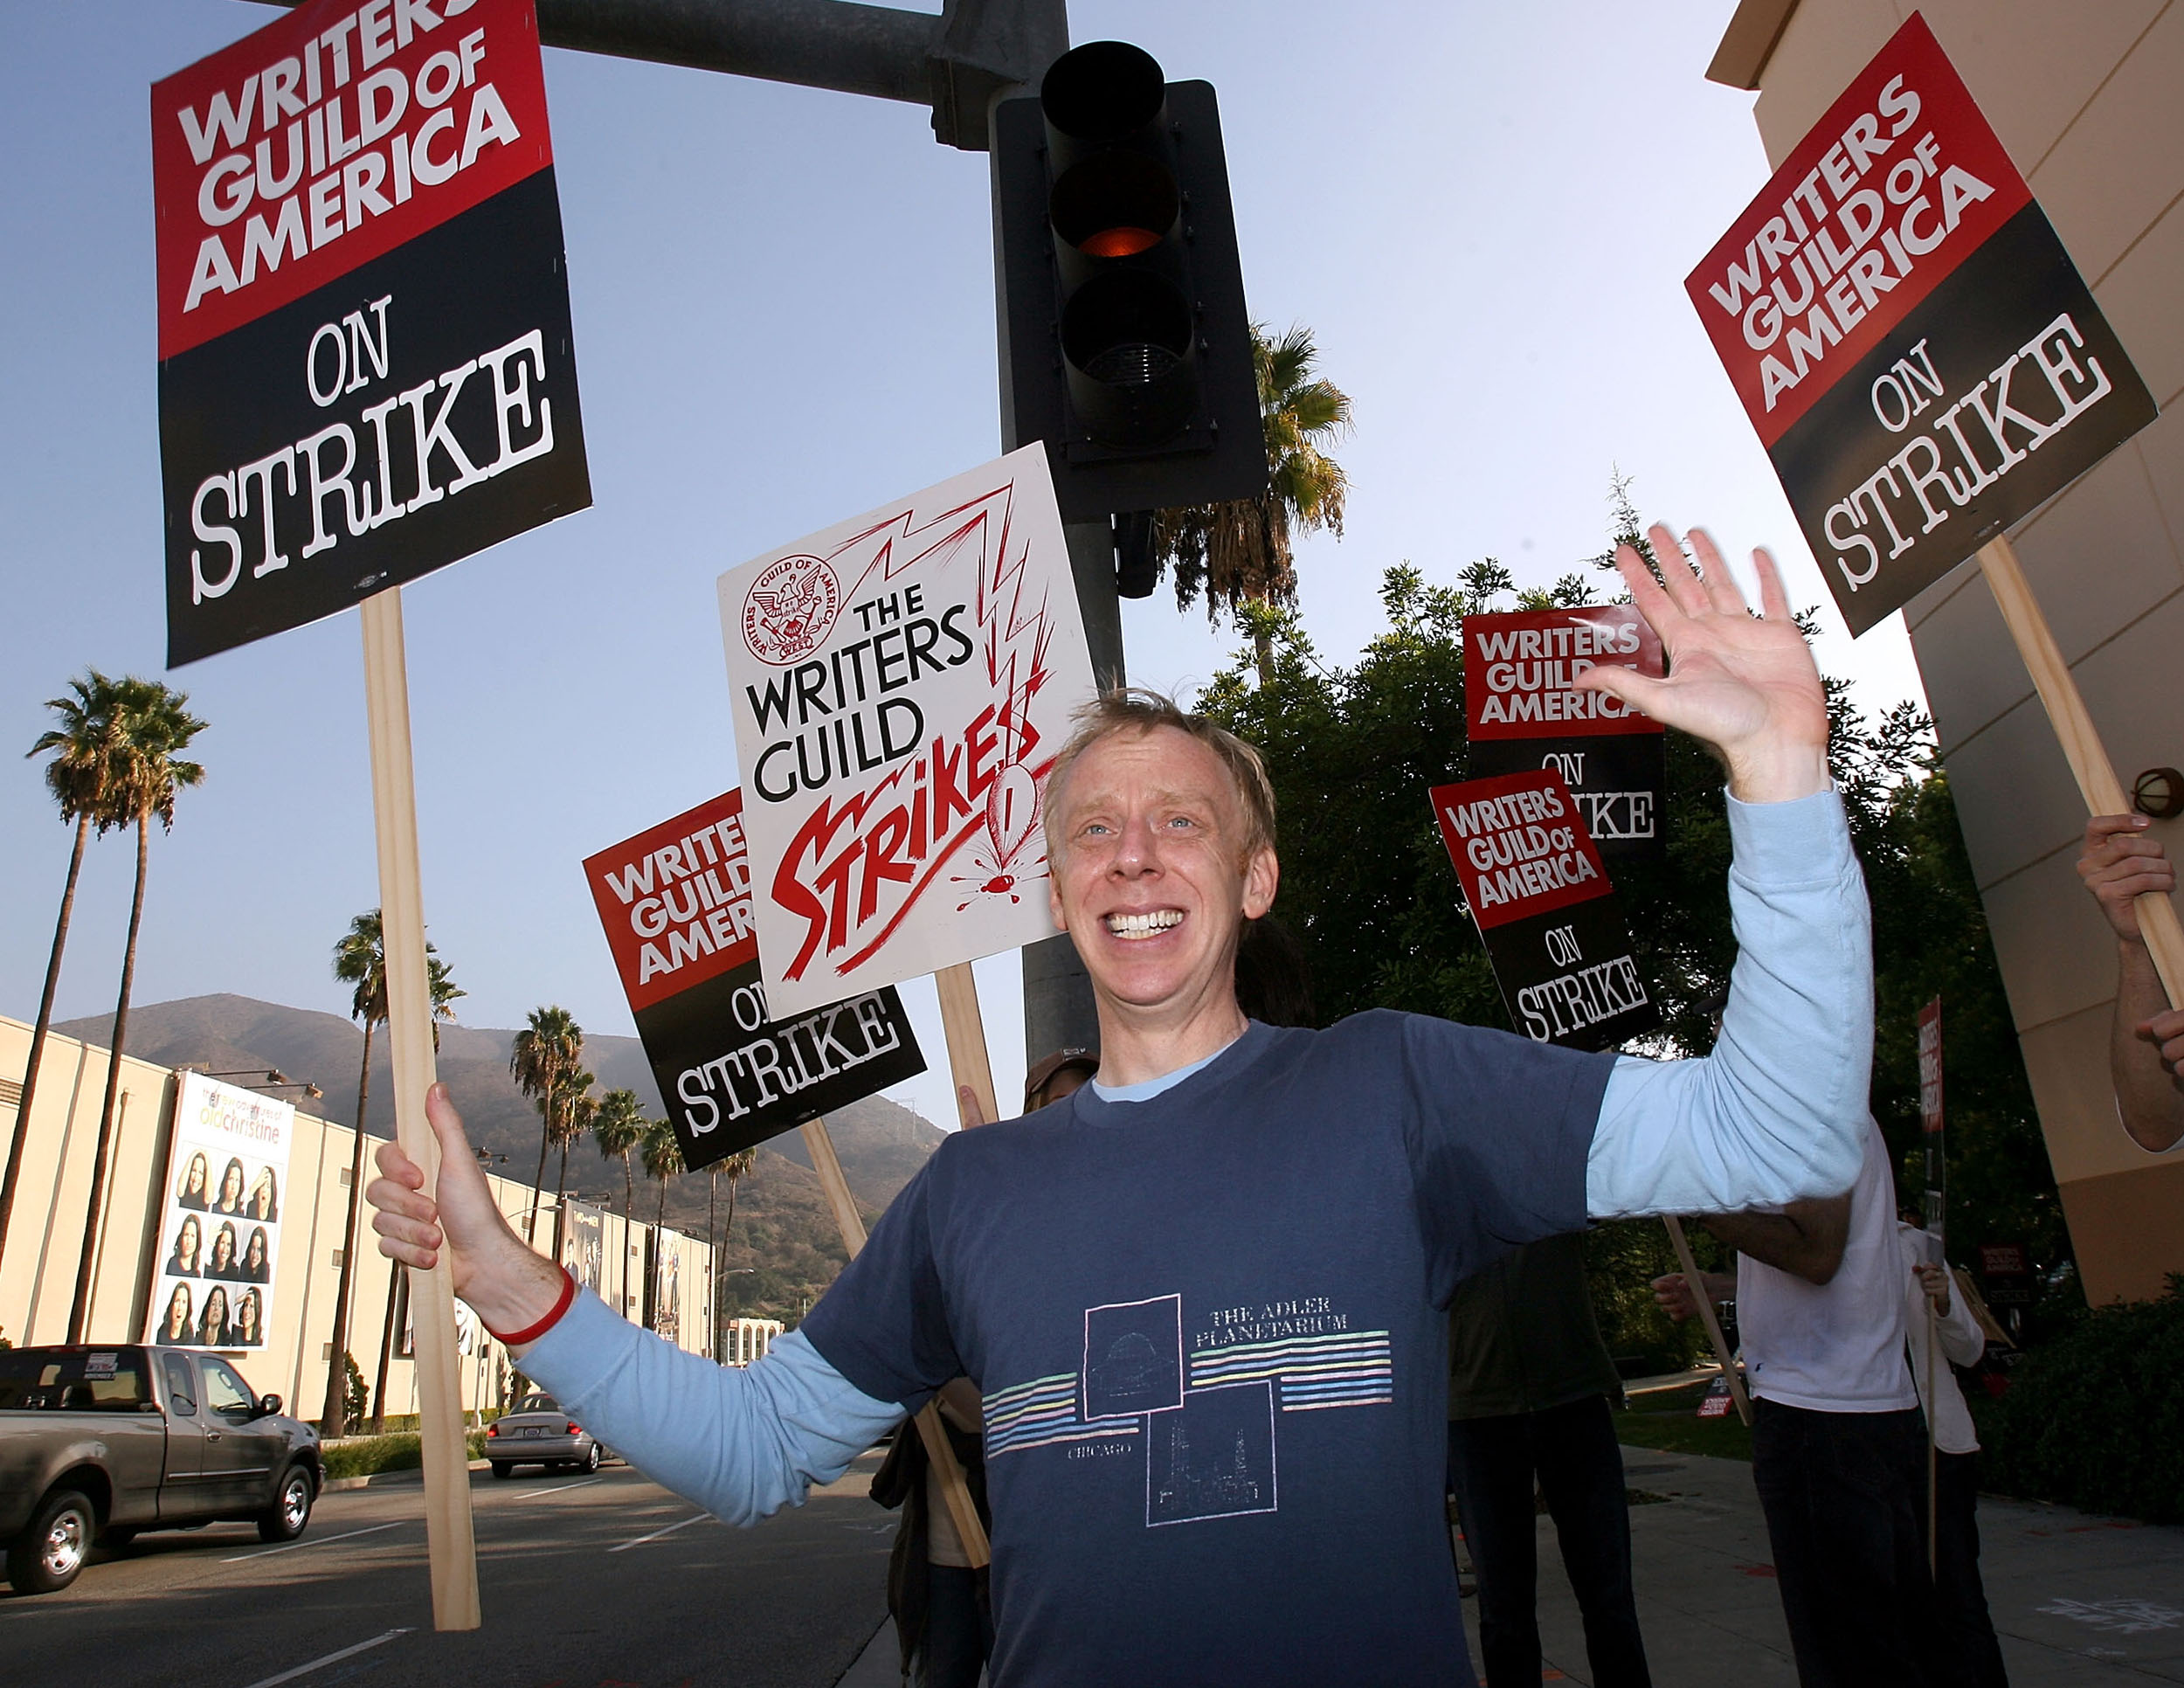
[(419, 409), (730, 1077), (1994, 393), (1569, 977), (1618, 779)]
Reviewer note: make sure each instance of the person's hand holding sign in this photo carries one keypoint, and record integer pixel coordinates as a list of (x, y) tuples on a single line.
[(1745, 685)]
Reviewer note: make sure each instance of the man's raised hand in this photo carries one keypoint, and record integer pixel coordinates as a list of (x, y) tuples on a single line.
[(2122, 862), (1745, 685), (510, 1287)]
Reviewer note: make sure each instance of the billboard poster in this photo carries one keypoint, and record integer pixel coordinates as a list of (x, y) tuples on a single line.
[(365, 370), (901, 684), (220, 1215), (583, 1232), (1922, 360), (676, 905), (1535, 885), (1522, 710)]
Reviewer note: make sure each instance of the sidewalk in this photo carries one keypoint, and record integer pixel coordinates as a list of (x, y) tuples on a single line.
[(2079, 1601)]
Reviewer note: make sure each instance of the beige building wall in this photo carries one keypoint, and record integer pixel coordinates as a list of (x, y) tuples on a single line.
[(37, 1273), (2087, 100)]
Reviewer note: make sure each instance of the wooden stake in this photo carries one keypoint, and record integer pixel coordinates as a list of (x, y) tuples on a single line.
[(2081, 742), (452, 1547), (965, 1029), (1934, 1394), (1708, 1317), (820, 1143)]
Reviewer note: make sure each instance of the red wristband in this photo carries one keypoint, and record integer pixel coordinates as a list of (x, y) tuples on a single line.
[(532, 1333)]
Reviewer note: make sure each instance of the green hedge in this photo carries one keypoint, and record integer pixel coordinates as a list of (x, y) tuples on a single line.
[(365, 1456), (2095, 1418)]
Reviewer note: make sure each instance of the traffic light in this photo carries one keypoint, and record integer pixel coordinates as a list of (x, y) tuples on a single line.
[(1128, 342)]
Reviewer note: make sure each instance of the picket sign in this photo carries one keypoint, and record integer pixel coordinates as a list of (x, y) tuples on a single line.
[(1708, 1316), (953, 1489), (449, 1541), (2082, 747)]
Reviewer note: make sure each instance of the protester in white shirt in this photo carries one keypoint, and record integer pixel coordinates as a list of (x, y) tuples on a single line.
[(1969, 1641), (1838, 1453)]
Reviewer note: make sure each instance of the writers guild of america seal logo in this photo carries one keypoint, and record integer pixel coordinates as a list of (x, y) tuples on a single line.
[(789, 608)]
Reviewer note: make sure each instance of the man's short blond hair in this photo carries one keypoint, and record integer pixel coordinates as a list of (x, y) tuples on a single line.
[(1136, 710)]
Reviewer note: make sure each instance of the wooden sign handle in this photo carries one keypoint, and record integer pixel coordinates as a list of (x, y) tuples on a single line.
[(450, 1542), (1708, 1316), (2081, 742), (965, 1030), (954, 1490)]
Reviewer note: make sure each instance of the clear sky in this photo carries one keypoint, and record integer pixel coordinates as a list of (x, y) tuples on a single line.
[(784, 315)]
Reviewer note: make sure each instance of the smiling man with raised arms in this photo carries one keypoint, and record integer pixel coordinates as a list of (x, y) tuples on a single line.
[(1203, 1297)]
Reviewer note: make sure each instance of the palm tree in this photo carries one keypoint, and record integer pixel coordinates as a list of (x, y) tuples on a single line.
[(575, 1108), (619, 1128), (147, 772), (735, 1168), (79, 777), (662, 1155), (1238, 552), (359, 961), (545, 1054)]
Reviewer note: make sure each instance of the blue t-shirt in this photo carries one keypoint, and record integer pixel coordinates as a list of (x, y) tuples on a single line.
[(1209, 1331)]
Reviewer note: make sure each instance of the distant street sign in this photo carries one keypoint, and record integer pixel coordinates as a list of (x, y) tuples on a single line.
[(1522, 711), (675, 901), (365, 369), (1535, 887), (1922, 361)]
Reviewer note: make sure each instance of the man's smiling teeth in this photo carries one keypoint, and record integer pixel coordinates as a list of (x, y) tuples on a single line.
[(1144, 925)]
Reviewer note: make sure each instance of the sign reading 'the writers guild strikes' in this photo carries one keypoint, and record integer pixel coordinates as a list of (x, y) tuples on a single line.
[(364, 361), (675, 901), (901, 684), (1541, 898), (1923, 361), (1522, 709)]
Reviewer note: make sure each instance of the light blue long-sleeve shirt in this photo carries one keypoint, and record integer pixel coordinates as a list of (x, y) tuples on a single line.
[(1773, 1114)]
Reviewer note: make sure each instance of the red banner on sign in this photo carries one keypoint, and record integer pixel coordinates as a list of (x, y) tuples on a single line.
[(675, 901), (329, 138), (1895, 187), (1520, 671), (1930, 1115), (1518, 847)]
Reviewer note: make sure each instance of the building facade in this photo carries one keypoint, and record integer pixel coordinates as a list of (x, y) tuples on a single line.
[(654, 1275), (2085, 98), (744, 1341)]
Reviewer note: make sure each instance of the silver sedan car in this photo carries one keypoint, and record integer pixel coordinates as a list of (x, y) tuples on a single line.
[(537, 1432)]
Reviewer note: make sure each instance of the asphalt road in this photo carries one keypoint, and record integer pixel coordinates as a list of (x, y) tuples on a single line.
[(602, 1582)]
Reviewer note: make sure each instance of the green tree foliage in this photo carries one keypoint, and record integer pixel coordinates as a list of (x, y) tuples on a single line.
[(1368, 889)]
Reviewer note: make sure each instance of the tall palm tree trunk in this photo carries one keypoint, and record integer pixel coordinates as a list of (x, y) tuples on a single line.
[(37, 1034), (386, 1351), (335, 1422), (713, 1259), (538, 1179), (81, 1309)]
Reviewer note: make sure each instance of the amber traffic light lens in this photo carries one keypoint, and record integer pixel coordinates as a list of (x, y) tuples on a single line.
[(1120, 243)]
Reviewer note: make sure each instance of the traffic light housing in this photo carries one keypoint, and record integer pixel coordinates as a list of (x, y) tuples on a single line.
[(1128, 341)]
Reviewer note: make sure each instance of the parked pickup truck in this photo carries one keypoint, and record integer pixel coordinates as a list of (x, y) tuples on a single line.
[(100, 1443)]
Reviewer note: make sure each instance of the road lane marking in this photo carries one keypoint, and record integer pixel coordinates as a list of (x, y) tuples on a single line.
[(694, 1518), (331, 1658), (318, 1541), (559, 1489)]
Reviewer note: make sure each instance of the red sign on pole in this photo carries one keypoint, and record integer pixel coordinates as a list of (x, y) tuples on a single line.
[(1523, 711), (364, 361), (1536, 887), (1922, 361)]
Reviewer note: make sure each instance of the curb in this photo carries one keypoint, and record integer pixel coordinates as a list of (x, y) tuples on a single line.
[(413, 1474)]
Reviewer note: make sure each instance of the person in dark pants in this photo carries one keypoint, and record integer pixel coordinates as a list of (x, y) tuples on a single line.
[(1838, 1448), (1972, 1653), (1530, 1387)]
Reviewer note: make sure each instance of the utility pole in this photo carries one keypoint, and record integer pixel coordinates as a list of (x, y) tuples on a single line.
[(960, 64)]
